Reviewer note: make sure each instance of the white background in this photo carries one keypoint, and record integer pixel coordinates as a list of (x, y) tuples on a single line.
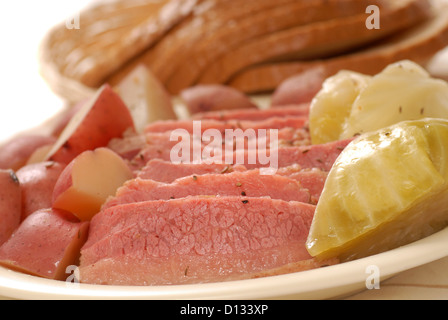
[(25, 99)]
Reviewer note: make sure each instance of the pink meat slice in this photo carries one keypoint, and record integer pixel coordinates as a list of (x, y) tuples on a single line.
[(167, 172), (285, 136), (194, 240), (188, 125), (297, 110), (129, 146), (160, 146), (321, 156), (312, 179), (247, 183)]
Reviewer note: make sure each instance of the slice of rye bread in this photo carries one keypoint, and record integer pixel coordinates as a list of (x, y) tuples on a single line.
[(419, 44), (171, 51), (316, 40), (246, 27), (225, 25), (110, 33)]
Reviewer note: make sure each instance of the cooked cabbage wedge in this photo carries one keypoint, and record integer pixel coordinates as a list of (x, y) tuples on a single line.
[(388, 188), (350, 104), (330, 108)]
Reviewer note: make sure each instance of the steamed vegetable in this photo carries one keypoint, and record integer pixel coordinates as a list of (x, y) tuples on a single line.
[(387, 188), (330, 108), (350, 104)]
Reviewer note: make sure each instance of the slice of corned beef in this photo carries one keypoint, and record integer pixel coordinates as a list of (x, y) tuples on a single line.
[(256, 115), (167, 172), (247, 183), (285, 136), (194, 240), (160, 146), (312, 179), (129, 146), (271, 123), (320, 156)]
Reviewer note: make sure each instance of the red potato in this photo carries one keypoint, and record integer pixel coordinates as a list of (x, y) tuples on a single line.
[(45, 244), (10, 204), (97, 122), (37, 182), (299, 89), (88, 181), (203, 98), (15, 153)]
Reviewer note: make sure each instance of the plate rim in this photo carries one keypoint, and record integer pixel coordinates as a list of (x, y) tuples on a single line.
[(324, 283)]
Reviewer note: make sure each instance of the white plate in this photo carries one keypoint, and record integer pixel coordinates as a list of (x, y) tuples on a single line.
[(330, 282)]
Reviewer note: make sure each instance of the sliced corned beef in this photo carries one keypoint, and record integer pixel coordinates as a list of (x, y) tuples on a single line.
[(160, 146), (285, 136), (167, 172), (129, 146), (247, 183), (271, 123), (320, 156), (194, 240), (312, 179), (256, 115)]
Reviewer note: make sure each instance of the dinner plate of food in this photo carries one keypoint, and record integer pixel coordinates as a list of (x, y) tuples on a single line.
[(312, 171)]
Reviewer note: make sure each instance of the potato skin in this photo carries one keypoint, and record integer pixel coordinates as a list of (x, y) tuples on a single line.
[(15, 152), (203, 98), (10, 204), (37, 183), (298, 89), (105, 117), (45, 244)]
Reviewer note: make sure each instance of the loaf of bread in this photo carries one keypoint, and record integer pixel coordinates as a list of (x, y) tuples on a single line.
[(252, 45), (419, 44)]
